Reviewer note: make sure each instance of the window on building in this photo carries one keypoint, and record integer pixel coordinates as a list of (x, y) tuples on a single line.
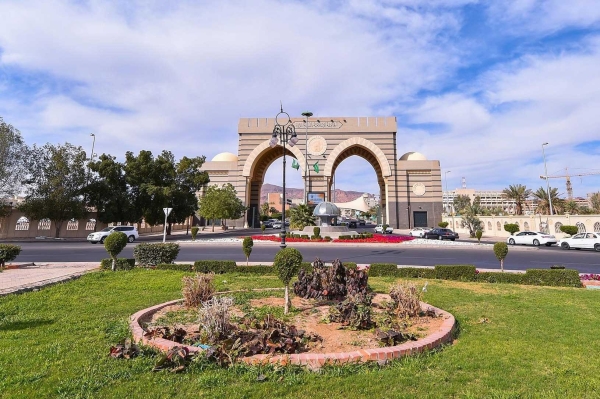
[(22, 224), (580, 227), (72, 224), (498, 226), (44, 224), (557, 227), (597, 227), (90, 225), (489, 225), (526, 226)]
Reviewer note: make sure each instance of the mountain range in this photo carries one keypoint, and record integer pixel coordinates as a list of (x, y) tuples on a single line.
[(340, 195)]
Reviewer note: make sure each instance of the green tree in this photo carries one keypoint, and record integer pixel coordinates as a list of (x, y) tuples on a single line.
[(571, 207), (114, 244), (221, 203), (570, 230), (301, 216), (287, 264), (470, 219), (460, 202), (543, 206), (501, 250), (518, 193), (109, 192), (13, 168), (57, 179), (247, 245)]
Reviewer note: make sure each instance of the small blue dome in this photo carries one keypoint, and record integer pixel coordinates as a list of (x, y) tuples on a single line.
[(326, 209)]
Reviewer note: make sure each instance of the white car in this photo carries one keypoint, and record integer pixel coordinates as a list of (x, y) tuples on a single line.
[(419, 231), (379, 229), (532, 238), (582, 241), (99, 236), (277, 225)]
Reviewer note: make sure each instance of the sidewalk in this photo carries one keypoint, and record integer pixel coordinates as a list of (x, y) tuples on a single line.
[(32, 277)]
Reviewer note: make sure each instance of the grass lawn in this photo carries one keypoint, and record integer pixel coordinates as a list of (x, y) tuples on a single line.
[(514, 341)]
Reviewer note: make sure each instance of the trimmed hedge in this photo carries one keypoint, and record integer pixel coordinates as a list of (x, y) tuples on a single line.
[(215, 266), (260, 270), (498, 277), (147, 254), (350, 265), (183, 267), (383, 269), (553, 277), (455, 272), (121, 264), (415, 272)]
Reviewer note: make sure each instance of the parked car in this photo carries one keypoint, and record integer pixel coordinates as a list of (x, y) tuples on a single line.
[(362, 223), (379, 229), (352, 224), (532, 238), (582, 241), (441, 234), (276, 225), (267, 223), (99, 236), (419, 231)]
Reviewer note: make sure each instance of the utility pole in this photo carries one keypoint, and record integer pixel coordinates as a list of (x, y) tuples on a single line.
[(306, 114)]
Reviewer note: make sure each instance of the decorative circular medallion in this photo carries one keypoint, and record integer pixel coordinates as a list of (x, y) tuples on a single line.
[(418, 188), (317, 145)]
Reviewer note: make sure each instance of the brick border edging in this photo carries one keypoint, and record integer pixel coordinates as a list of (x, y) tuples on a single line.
[(314, 360)]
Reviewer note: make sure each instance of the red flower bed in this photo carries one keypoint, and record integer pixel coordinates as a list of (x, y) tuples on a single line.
[(380, 238), (377, 238)]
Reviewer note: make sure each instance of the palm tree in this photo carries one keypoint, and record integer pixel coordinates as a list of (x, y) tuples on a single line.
[(595, 201), (558, 204), (518, 193), (571, 207)]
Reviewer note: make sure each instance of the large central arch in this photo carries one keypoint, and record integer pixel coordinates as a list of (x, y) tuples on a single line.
[(408, 185)]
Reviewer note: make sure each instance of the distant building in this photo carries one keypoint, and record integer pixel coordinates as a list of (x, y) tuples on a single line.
[(489, 199)]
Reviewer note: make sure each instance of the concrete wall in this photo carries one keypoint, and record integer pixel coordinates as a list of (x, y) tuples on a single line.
[(494, 225)]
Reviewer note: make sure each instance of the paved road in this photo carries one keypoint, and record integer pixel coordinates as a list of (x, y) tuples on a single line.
[(584, 261)]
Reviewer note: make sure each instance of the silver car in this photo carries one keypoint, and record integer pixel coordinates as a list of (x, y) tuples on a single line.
[(99, 236)]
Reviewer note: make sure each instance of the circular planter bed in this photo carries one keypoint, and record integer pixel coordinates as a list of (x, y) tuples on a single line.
[(333, 345)]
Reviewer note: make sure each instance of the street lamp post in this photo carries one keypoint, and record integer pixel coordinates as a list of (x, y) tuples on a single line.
[(286, 132), (306, 114), (92, 153), (448, 194), (546, 177)]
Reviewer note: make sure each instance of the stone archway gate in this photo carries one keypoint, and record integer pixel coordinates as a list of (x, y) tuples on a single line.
[(404, 184)]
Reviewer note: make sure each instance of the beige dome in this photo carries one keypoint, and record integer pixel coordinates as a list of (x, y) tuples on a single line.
[(225, 157), (413, 156)]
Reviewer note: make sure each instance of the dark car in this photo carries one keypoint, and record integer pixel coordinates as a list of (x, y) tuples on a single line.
[(362, 223), (268, 224), (441, 234), (352, 224)]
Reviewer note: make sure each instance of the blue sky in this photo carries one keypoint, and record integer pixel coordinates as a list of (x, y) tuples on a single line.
[(478, 85)]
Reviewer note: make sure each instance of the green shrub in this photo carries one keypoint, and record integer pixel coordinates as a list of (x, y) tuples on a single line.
[(260, 270), (287, 263), (247, 245), (557, 267), (455, 272), (314, 238), (383, 269), (307, 267), (443, 225), (415, 272), (114, 244), (195, 230), (183, 267), (512, 228), (317, 231), (215, 266), (305, 236), (501, 250), (553, 278), (570, 230), (8, 253), (496, 277), (327, 238), (478, 234), (121, 263), (153, 254)]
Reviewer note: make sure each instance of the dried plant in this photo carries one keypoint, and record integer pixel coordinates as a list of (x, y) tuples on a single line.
[(197, 289), (406, 300), (214, 318), (354, 312)]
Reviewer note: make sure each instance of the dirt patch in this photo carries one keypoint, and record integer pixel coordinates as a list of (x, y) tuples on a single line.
[(312, 317)]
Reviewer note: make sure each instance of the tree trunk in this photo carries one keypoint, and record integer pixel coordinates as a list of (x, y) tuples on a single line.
[(213, 225), (247, 257), (169, 226), (286, 307), (502, 265), (57, 227), (114, 263)]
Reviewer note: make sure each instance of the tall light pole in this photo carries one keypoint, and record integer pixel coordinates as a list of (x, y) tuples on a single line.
[(286, 132), (448, 194), (92, 153), (306, 114), (546, 176)]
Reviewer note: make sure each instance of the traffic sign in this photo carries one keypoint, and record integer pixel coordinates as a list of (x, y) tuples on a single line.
[(167, 211)]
